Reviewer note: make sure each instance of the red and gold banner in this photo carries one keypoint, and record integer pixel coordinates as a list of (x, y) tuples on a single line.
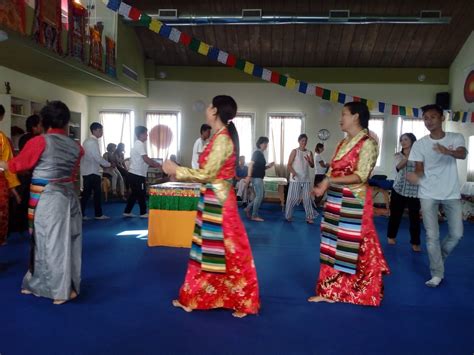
[(110, 65), (12, 15), (96, 51), (47, 24), (77, 30)]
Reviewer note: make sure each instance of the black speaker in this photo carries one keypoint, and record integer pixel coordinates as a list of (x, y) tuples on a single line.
[(442, 99)]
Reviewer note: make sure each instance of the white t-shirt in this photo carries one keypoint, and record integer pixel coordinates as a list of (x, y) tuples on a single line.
[(440, 181), (137, 164), (197, 149), (318, 169)]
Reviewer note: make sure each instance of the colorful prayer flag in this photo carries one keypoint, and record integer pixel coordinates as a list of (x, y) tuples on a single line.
[(248, 68), (203, 48)]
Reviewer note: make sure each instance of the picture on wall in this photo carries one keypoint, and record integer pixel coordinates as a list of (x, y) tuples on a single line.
[(96, 51), (110, 65)]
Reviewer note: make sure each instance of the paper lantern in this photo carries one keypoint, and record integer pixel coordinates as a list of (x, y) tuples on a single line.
[(160, 136)]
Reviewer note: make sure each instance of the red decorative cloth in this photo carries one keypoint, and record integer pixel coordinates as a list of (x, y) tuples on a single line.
[(366, 286), (237, 288)]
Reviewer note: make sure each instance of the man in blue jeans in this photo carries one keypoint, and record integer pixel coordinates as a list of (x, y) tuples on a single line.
[(436, 174)]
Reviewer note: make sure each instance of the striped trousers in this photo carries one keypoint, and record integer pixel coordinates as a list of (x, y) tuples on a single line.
[(296, 192)]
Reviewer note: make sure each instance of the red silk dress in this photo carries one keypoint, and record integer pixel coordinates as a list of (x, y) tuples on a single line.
[(364, 286), (237, 287)]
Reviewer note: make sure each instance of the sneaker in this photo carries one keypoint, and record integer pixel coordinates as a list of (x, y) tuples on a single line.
[(128, 215), (144, 215), (102, 217), (434, 282)]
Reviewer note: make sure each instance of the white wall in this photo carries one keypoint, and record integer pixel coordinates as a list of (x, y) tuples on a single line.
[(457, 77), (29, 88), (263, 98)]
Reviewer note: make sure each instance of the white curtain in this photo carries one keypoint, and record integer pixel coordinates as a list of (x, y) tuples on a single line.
[(162, 134), (470, 159), (376, 131), (244, 125), (283, 132), (117, 127)]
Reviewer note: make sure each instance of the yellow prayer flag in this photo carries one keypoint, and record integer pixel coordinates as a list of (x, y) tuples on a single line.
[(290, 83), (334, 96), (155, 25), (203, 48), (248, 68), (409, 112), (370, 104)]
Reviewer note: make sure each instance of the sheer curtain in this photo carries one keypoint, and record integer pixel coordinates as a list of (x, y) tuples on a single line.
[(283, 132), (244, 124), (470, 160), (410, 125), (162, 134), (376, 126), (117, 127)]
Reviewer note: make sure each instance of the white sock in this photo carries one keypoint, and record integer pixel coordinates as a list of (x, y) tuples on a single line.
[(434, 282)]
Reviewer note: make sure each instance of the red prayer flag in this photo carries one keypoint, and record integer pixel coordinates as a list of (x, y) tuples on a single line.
[(185, 39), (395, 110), (275, 77), (134, 14), (319, 91)]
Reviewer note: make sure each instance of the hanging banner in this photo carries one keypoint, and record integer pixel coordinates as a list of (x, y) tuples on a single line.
[(96, 51), (77, 30), (194, 44), (12, 15), (47, 24), (110, 66)]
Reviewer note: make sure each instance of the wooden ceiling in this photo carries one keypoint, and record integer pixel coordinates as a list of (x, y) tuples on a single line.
[(319, 45)]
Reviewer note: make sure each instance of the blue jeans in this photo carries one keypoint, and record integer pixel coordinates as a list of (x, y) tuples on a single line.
[(257, 184), (438, 251)]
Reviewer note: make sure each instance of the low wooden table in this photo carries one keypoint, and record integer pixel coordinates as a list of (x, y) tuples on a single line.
[(173, 207), (273, 184)]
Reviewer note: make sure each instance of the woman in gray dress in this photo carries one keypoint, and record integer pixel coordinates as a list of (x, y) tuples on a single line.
[(55, 213)]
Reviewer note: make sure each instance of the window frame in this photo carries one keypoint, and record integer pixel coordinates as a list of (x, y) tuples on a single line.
[(131, 112), (300, 115), (379, 116), (178, 126), (253, 139)]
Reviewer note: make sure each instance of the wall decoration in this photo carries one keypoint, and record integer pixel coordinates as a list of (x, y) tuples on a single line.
[(198, 46), (110, 65), (469, 86), (47, 24), (96, 51), (77, 30), (12, 15)]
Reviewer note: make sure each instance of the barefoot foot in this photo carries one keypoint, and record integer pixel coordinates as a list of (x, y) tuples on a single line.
[(24, 291), (176, 303), (237, 314), (320, 299), (392, 241), (72, 295)]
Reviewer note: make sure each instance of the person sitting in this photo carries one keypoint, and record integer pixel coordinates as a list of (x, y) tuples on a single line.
[(112, 172)]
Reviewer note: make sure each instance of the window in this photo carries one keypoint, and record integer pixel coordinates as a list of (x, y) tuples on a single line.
[(470, 160), (283, 132), (244, 124), (162, 133), (118, 128), (376, 128), (410, 125)]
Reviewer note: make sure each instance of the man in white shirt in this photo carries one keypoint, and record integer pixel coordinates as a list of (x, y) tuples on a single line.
[(199, 145), (437, 176), (90, 171), (320, 169), (139, 162)]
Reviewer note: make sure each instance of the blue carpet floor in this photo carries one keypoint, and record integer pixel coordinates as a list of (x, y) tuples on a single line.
[(127, 288)]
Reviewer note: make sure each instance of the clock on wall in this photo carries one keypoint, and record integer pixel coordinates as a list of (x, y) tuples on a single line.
[(324, 134)]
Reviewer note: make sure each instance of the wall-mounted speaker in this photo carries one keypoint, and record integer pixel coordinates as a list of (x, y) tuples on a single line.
[(442, 100)]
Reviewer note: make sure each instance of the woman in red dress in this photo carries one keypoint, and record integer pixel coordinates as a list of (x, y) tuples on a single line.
[(352, 262), (221, 271)]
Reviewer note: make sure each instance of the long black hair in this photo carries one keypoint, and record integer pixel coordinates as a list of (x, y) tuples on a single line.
[(410, 136), (227, 109)]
